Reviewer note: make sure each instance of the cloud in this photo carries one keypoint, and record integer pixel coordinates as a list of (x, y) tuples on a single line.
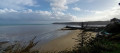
[(108, 14), (30, 16), (16, 11), (90, 1), (7, 10), (102, 15), (16, 4), (76, 9), (61, 5)]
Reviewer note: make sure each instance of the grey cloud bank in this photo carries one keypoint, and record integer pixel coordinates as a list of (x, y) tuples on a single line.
[(29, 15), (14, 11)]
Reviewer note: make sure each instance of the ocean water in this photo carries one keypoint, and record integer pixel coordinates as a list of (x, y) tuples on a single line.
[(43, 32)]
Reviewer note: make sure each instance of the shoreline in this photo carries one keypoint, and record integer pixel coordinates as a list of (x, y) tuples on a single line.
[(66, 42)]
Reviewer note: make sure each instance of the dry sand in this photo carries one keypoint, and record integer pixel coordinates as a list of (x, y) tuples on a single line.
[(66, 42)]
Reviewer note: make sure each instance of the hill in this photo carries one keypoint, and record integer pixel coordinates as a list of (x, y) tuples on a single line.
[(89, 23)]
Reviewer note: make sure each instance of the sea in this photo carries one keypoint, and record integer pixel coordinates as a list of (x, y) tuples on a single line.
[(26, 32)]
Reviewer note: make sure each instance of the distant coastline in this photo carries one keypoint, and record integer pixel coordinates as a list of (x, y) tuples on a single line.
[(89, 23)]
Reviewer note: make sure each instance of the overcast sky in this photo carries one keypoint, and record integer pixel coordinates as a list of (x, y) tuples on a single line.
[(46, 11)]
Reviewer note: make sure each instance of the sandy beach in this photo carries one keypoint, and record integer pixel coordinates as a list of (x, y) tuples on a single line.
[(66, 42)]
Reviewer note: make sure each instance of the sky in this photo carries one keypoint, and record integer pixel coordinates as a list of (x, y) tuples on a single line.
[(48, 11)]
